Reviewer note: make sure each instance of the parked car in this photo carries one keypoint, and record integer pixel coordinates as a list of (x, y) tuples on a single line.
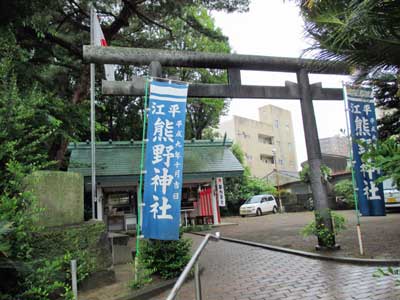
[(391, 194), (258, 205)]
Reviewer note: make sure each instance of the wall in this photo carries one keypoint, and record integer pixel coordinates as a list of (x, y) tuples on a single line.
[(228, 128), (86, 242), (281, 122), (245, 132), (60, 194), (338, 145), (88, 236)]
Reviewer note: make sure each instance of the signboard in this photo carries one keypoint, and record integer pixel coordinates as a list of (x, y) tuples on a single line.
[(363, 128), (220, 191), (164, 160)]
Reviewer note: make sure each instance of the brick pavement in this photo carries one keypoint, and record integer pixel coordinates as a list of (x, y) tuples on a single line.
[(381, 236), (234, 271)]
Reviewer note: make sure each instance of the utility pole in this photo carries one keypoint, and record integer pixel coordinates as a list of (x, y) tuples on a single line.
[(277, 181)]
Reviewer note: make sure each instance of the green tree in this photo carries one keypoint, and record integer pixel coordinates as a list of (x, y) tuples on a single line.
[(28, 122), (364, 34), (201, 113), (385, 155), (121, 116), (53, 34), (305, 173), (210, 134)]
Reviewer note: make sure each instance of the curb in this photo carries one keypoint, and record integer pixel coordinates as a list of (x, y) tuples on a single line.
[(154, 290), (150, 291), (340, 259), (225, 224)]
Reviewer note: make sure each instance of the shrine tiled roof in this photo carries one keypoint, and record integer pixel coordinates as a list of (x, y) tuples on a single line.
[(202, 159)]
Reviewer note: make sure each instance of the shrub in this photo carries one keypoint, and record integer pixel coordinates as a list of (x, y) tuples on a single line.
[(344, 188), (142, 275), (50, 278), (166, 258), (390, 271), (318, 228)]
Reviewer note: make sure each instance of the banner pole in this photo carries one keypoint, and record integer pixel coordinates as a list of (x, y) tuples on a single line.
[(92, 116), (358, 226), (139, 198)]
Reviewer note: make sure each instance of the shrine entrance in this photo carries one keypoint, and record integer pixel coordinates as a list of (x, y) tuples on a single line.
[(234, 63)]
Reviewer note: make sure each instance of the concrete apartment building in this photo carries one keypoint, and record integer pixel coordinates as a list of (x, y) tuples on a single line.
[(337, 145), (264, 140)]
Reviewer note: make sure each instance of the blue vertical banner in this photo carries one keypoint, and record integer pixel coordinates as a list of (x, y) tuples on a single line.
[(164, 160), (363, 128)]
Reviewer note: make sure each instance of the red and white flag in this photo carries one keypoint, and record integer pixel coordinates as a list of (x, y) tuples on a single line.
[(99, 40)]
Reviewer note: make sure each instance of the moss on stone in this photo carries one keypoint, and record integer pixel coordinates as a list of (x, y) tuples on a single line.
[(60, 194), (88, 236)]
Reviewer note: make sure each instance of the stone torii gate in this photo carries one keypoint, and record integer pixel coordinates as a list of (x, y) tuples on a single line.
[(234, 63)]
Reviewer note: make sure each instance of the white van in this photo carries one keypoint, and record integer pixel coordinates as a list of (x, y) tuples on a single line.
[(259, 204), (391, 193)]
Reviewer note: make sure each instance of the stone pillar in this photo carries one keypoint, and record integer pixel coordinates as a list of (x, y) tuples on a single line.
[(318, 188)]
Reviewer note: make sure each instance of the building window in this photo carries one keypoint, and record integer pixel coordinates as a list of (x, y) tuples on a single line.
[(265, 139), (245, 135), (268, 159), (287, 126), (248, 157), (289, 146), (276, 123), (281, 162)]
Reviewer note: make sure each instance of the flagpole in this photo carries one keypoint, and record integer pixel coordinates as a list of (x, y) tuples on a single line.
[(139, 196), (92, 116), (353, 180)]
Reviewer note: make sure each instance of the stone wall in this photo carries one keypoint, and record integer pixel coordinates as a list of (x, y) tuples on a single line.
[(90, 237), (60, 194)]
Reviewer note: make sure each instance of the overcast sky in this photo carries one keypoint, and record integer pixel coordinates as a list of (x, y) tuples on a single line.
[(275, 28)]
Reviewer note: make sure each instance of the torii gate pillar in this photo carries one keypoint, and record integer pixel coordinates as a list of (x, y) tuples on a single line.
[(318, 188)]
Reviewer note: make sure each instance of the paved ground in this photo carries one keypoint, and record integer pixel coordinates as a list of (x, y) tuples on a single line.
[(381, 235), (234, 271)]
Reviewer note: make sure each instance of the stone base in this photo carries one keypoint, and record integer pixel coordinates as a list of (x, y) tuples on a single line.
[(323, 248)]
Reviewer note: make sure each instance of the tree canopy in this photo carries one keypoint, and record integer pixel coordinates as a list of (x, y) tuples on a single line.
[(50, 35), (365, 34), (304, 174), (44, 87)]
